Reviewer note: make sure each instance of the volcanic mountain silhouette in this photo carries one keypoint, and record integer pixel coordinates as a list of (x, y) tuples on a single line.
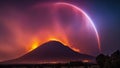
[(52, 51)]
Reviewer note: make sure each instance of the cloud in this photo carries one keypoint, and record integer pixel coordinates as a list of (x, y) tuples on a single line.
[(20, 28)]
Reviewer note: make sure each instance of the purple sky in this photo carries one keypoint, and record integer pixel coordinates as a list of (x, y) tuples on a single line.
[(22, 22)]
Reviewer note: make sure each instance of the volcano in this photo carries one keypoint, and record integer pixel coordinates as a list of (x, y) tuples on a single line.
[(52, 51)]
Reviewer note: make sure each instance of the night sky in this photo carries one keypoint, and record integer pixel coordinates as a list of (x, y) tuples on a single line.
[(104, 14)]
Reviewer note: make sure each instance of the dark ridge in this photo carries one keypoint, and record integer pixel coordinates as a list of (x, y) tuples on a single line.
[(52, 51)]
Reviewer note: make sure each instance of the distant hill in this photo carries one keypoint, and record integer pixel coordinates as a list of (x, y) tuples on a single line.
[(50, 52)]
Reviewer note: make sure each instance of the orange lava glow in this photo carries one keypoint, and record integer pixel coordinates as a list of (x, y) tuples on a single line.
[(85, 61), (75, 49), (55, 39), (35, 43), (65, 42)]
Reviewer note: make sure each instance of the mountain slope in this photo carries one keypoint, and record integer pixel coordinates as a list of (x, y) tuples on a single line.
[(52, 51)]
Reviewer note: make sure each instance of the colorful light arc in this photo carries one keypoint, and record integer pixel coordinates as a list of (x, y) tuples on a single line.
[(38, 42), (91, 22)]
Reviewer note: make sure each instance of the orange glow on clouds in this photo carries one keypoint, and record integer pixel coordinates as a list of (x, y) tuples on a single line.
[(40, 23), (57, 32)]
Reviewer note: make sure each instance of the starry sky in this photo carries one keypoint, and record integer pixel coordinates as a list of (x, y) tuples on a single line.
[(105, 15)]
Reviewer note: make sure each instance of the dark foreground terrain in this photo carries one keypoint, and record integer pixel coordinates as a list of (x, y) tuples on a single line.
[(65, 65)]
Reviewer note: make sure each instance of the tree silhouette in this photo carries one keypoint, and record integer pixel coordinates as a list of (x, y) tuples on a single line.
[(112, 61), (115, 59), (100, 59), (107, 63)]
